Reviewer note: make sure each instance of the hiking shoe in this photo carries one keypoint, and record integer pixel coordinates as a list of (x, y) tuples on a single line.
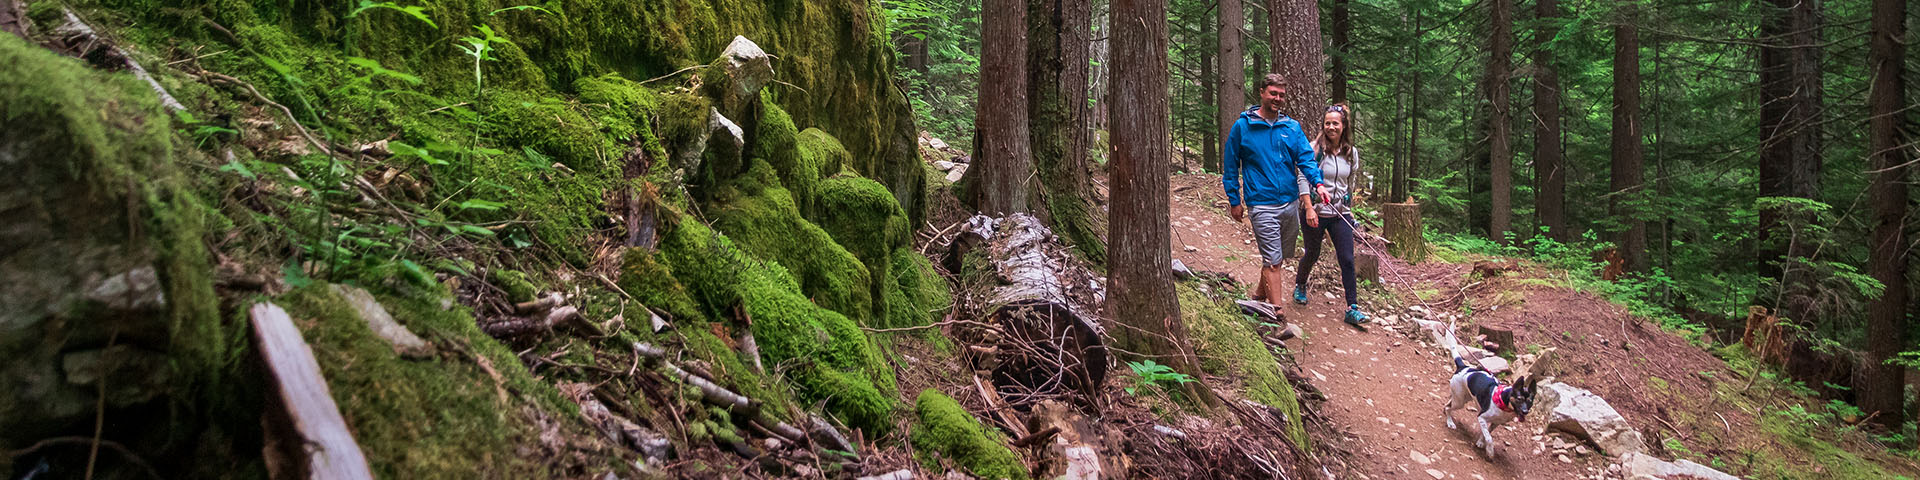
[(1354, 317), (1300, 294)]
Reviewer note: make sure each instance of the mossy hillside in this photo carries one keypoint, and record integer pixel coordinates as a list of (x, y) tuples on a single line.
[(438, 418), (1229, 347), (947, 431), (97, 189), (832, 55), (652, 283), (832, 359)]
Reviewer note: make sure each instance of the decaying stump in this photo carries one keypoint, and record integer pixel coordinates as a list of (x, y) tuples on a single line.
[(1366, 267), (1403, 229), (1038, 302)]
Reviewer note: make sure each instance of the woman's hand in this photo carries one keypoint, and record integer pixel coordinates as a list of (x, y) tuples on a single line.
[(1324, 195)]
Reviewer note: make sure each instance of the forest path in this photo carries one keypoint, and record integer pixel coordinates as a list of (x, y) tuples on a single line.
[(1385, 388)]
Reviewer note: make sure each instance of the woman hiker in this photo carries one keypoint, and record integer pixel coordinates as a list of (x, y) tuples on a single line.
[(1339, 168)]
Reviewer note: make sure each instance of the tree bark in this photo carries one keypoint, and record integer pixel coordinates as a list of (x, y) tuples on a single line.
[(1499, 100), (1342, 25), (1549, 161), (1003, 162), (1140, 278), (1299, 57), (1628, 171), (1790, 155), (1881, 394), (1232, 97), (1055, 120)]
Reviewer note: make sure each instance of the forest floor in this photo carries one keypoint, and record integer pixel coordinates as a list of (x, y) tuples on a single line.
[(1385, 385)]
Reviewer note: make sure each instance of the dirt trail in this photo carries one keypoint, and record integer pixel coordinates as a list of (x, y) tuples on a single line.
[(1385, 389)]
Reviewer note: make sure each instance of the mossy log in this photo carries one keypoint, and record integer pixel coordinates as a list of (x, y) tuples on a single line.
[(1404, 231), (1039, 299)]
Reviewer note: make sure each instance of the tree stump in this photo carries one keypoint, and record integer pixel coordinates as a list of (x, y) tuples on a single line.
[(1404, 229), (1502, 339), (1366, 267)]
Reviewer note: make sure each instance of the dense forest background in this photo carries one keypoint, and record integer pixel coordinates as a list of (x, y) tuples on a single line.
[(1740, 175)]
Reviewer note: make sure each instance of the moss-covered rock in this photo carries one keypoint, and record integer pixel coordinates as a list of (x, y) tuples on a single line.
[(919, 291), (834, 361), (1229, 347), (515, 283), (103, 246), (946, 431), (761, 217)]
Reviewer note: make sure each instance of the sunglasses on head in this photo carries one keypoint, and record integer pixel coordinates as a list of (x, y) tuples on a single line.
[(1337, 108)]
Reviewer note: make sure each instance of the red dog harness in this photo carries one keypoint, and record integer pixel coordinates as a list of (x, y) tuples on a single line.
[(1499, 400)]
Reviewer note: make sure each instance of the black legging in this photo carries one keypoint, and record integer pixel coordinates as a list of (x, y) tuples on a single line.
[(1341, 229)]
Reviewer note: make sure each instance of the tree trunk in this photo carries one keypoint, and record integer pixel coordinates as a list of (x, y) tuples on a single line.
[(1003, 160), (1232, 97), (1790, 91), (1259, 22), (1397, 182), (1055, 121), (1140, 277), (1550, 170), (1628, 170), (1404, 231), (1209, 137), (1299, 57), (1413, 118), (1342, 25), (1881, 394), (1499, 99)]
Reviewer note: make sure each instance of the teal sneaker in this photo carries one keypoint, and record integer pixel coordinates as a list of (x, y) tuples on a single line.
[(1300, 294), (1354, 317)]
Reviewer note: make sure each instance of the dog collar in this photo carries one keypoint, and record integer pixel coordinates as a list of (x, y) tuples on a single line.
[(1499, 398)]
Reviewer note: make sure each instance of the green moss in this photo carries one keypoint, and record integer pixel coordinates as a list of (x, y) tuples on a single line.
[(515, 283), (761, 216), (819, 156), (778, 144), (652, 284), (421, 419), (624, 109), (1229, 347), (947, 431), (862, 217), (919, 291)]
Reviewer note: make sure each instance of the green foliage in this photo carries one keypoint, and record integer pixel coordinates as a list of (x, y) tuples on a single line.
[(418, 13), (1149, 375)]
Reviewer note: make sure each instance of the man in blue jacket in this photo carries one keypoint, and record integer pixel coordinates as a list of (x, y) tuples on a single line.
[(1271, 159)]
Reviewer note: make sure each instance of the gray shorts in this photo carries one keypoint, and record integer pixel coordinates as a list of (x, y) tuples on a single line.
[(1275, 229)]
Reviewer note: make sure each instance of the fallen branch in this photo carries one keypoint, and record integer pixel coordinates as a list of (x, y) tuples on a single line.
[(522, 326), (283, 109), (740, 405), (893, 475), (538, 305), (824, 433), (75, 29)]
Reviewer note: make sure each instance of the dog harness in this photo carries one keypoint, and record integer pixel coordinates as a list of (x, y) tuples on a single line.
[(1500, 398)]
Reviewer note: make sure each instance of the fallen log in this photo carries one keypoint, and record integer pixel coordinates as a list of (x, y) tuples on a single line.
[(1039, 297), (322, 447), (538, 305)]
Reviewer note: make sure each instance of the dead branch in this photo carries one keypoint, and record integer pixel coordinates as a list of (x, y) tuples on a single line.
[(522, 326), (78, 31)]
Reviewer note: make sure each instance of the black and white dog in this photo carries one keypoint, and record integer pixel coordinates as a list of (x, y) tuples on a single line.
[(1499, 403)]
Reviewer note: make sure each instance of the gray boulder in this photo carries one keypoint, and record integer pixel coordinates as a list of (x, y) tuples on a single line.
[(1582, 413), (1640, 466)]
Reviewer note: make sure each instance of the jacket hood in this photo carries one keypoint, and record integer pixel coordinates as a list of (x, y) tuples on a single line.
[(1252, 115)]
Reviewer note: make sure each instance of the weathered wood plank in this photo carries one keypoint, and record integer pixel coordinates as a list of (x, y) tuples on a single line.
[(331, 451)]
